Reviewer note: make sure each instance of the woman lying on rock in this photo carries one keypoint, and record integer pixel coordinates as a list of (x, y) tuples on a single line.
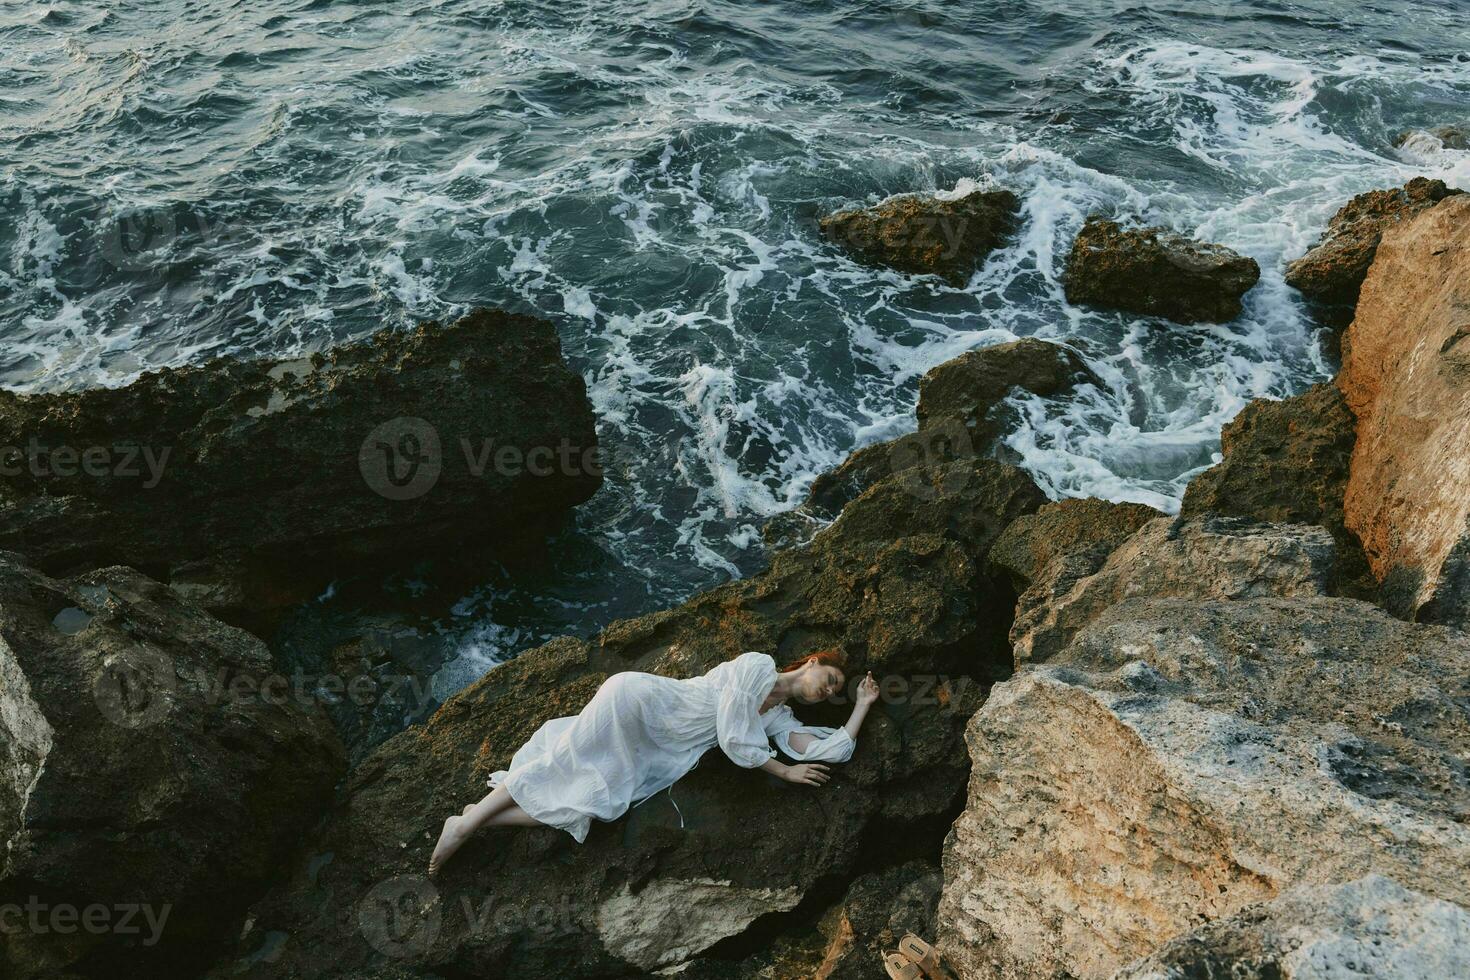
[(641, 732)]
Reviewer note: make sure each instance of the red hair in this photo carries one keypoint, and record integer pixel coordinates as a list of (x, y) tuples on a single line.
[(831, 657)]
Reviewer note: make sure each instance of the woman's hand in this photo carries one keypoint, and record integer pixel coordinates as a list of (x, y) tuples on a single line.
[(808, 774), (867, 691)]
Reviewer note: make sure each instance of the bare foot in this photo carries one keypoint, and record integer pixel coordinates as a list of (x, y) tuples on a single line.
[(466, 811), (451, 838)]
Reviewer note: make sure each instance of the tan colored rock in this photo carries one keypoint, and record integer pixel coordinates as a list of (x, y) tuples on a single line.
[(1372, 927), (1207, 558), (1183, 760), (1406, 376), (1333, 270)]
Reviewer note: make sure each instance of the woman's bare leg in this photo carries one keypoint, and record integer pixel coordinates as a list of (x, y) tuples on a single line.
[(497, 809), (513, 816)]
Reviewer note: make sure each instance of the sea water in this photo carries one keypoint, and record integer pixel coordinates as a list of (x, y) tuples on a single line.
[(181, 179)]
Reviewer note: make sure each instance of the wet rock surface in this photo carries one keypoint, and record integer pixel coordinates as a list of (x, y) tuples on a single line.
[(959, 416), (971, 386), (1333, 270), (374, 673), (899, 582), (1452, 136), (926, 234), (152, 759), (250, 480), (1156, 272), (1181, 760), (1406, 376)]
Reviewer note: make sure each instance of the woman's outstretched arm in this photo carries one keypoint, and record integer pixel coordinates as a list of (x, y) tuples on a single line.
[(807, 774), (866, 694)]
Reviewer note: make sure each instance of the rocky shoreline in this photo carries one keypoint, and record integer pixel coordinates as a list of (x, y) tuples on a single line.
[(1112, 743), (249, 484)]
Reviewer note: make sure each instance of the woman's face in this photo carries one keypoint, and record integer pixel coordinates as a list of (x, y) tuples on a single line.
[(818, 682)]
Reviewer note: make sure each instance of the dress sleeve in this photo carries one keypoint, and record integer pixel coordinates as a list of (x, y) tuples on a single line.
[(828, 744), (780, 720), (737, 719)]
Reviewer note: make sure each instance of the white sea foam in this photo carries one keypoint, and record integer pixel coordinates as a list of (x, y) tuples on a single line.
[(731, 354)]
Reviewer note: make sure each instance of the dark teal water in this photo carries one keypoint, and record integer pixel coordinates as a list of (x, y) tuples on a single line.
[(185, 178)]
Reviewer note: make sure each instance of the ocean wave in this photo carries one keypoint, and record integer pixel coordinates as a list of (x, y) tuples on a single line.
[(652, 184)]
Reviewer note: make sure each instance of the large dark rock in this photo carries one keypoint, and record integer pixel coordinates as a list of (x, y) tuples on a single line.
[(926, 235), (898, 582), (150, 758), (247, 481), (1065, 527), (970, 386), (1334, 269), (1156, 272), (960, 402), (1286, 462)]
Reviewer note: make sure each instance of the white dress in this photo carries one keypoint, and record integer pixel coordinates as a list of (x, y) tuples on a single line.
[(641, 732)]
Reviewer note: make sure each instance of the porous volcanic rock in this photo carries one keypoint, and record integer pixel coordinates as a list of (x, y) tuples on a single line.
[(898, 582), (927, 234), (1286, 462), (248, 481), (1371, 927), (1156, 272), (151, 758), (1183, 759), (1333, 270), (1406, 376), (1202, 558)]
